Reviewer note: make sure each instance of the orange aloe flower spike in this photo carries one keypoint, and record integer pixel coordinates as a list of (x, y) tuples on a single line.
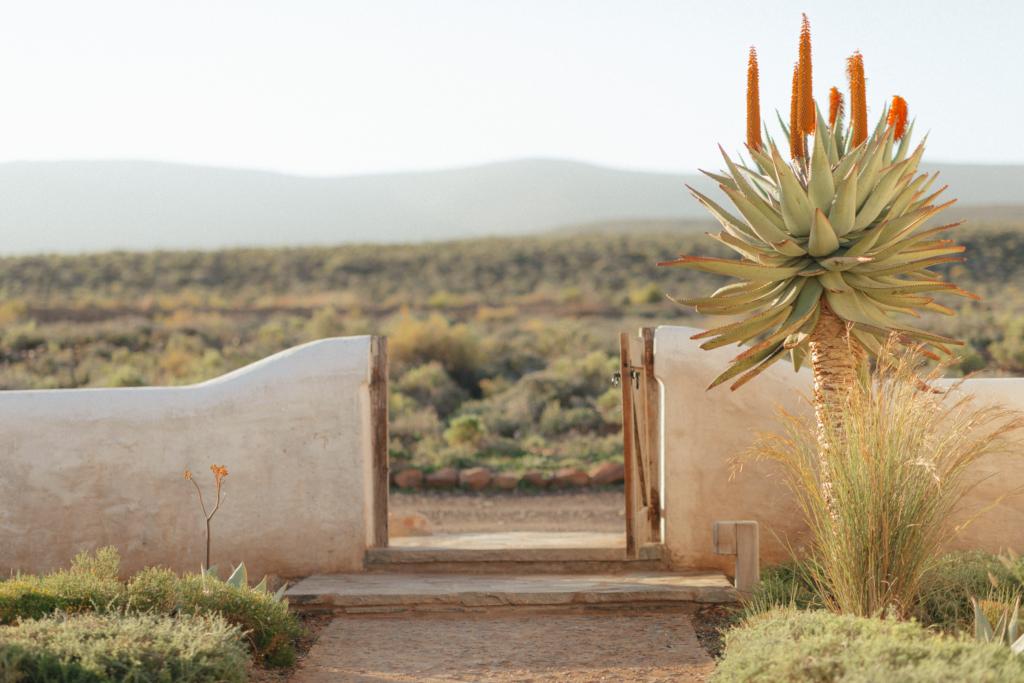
[(796, 137), (219, 472), (753, 103), (898, 116), (805, 93), (858, 98), (835, 106)]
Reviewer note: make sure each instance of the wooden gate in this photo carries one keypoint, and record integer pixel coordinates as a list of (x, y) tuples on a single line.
[(641, 434)]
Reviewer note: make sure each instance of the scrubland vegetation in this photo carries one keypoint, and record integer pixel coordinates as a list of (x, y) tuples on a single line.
[(501, 349), (501, 355)]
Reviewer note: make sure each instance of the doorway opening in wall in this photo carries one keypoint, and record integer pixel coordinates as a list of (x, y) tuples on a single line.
[(563, 463)]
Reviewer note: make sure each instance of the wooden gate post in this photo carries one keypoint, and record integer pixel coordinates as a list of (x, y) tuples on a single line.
[(379, 437), (641, 435)]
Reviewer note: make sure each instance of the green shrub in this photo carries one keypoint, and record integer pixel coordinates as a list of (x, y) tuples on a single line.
[(947, 589), (118, 647), (430, 385), (90, 585), (556, 420), (784, 585), (325, 322), (31, 597), (266, 623), (410, 425), (465, 430), (648, 294), (795, 646), (25, 597), (154, 589), (104, 563), (270, 629), (413, 341), (1008, 352)]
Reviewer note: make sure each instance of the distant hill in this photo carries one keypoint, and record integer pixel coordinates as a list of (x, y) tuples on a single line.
[(73, 206)]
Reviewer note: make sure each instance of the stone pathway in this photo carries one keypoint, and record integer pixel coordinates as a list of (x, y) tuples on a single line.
[(642, 645)]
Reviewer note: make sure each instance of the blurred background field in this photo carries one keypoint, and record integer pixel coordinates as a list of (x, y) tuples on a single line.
[(502, 349)]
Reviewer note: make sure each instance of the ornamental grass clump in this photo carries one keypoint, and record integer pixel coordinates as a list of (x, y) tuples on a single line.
[(898, 456)]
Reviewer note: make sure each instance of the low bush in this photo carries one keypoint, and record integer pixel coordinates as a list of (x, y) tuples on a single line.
[(784, 585), (91, 586), (957, 577), (265, 623), (118, 647), (805, 646)]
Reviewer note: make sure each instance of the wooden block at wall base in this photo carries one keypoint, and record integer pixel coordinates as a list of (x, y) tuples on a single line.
[(740, 538), (725, 538)]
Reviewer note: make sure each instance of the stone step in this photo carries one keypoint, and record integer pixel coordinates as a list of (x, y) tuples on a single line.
[(513, 552), (516, 567), (462, 560), (399, 592)]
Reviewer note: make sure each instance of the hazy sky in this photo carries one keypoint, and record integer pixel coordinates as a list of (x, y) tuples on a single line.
[(336, 87)]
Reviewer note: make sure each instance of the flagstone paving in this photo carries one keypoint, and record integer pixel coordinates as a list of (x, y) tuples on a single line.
[(519, 645), (359, 593)]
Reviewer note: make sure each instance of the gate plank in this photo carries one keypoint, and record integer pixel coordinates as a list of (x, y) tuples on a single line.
[(651, 397), (378, 389), (629, 456)]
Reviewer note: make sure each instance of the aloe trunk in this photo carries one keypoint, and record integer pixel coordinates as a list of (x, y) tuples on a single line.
[(835, 358)]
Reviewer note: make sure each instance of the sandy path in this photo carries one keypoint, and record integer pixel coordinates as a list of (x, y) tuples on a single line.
[(557, 511), (634, 646)]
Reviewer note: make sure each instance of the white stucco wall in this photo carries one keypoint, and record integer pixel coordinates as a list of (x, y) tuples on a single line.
[(705, 430), (83, 468)]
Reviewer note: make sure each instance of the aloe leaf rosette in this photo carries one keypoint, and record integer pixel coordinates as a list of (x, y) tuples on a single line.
[(838, 229)]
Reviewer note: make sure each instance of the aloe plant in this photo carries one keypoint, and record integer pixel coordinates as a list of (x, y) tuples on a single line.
[(1007, 629), (832, 244), (240, 579)]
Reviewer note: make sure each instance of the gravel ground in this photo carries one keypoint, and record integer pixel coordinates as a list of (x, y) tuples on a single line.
[(711, 622), (634, 646), (452, 513)]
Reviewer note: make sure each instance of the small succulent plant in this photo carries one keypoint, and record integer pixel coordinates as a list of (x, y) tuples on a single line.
[(240, 579), (1007, 629)]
